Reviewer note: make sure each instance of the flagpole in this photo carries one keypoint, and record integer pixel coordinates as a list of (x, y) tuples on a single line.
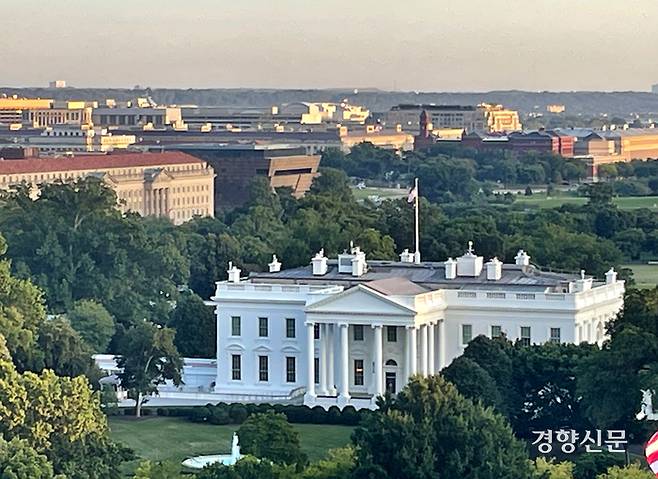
[(417, 254)]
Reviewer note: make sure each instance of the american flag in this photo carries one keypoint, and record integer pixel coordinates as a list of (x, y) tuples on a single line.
[(651, 451), (412, 195)]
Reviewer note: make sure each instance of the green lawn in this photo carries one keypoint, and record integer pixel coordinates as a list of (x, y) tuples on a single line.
[(626, 202), (646, 275), (383, 193), (161, 438)]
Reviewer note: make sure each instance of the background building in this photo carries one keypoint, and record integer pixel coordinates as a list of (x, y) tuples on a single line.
[(481, 118), (172, 184), (236, 165), (13, 108)]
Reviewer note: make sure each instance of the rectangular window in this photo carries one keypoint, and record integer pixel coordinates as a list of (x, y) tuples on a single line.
[(525, 336), (290, 328), (262, 327), (316, 331), (358, 332), (358, 372), (291, 372), (235, 326), (467, 333), (392, 334), (555, 335), (236, 367), (316, 370), (263, 368), (496, 331)]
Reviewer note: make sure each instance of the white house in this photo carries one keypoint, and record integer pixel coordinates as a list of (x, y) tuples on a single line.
[(341, 332)]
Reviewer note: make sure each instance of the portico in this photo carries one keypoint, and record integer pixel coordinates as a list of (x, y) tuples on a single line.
[(375, 349)]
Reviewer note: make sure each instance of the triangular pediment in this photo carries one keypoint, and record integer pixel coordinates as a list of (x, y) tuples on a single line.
[(362, 300)]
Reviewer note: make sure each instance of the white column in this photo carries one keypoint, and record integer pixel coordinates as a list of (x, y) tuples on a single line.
[(323, 360), (379, 361), (430, 352), (442, 344), (423, 350), (310, 360), (344, 387), (218, 379), (412, 352), (331, 378)]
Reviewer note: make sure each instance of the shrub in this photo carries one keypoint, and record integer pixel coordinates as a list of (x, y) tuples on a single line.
[(237, 413), (200, 414), (219, 416), (318, 415)]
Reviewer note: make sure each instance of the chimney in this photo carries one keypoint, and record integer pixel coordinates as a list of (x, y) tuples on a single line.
[(469, 264), (494, 269), (451, 268), (611, 276), (583, 284), (275, 265), (522, 258), (359, 265), (319, 262), (406, 256), (233, 273)]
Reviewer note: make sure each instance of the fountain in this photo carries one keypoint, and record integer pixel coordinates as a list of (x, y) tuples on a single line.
[(199, 462)]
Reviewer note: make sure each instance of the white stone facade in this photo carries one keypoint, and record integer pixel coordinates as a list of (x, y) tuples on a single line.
[(343, 334)]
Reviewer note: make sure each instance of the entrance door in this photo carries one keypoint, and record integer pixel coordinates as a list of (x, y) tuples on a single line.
[(391, 383)]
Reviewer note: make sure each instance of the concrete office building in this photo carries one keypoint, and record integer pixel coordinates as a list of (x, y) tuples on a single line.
[(172, 185), (12, 109), (482, 118), (65, 139), (136, 116)]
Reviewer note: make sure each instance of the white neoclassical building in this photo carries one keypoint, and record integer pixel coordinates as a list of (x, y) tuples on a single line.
[(344, 331)]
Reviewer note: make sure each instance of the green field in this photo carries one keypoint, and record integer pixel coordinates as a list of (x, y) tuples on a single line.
[(645, 275), (162, 438), (625, 202), (383, 193)]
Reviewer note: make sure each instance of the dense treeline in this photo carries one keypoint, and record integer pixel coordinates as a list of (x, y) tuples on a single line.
[(451, 172)]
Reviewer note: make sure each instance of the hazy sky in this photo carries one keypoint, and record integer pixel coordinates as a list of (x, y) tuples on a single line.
[(405, 45)]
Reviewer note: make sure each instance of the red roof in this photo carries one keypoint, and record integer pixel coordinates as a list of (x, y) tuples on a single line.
[(95, 162)]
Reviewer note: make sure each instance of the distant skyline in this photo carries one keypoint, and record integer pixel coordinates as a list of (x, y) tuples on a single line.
[(476, 45)]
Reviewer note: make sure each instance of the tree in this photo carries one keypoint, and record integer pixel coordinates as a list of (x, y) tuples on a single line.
[(58, 417), (551, 470), (61, 349), (431, 431), (633, 471), (21, 313), (246, 468), (270, 436), (338, 465), (148, 358), (599, 194), (158, 470), (196, 327), (20, 461), (473, 382), (332, 182), (75, 244), (93, 322)]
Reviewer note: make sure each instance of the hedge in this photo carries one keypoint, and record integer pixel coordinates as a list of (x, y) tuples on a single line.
[(222, 413)]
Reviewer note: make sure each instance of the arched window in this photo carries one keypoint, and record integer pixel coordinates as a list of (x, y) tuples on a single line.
[(391, 362)]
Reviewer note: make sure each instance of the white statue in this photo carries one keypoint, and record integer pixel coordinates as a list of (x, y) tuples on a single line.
[(235, 448), (647, 406)]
